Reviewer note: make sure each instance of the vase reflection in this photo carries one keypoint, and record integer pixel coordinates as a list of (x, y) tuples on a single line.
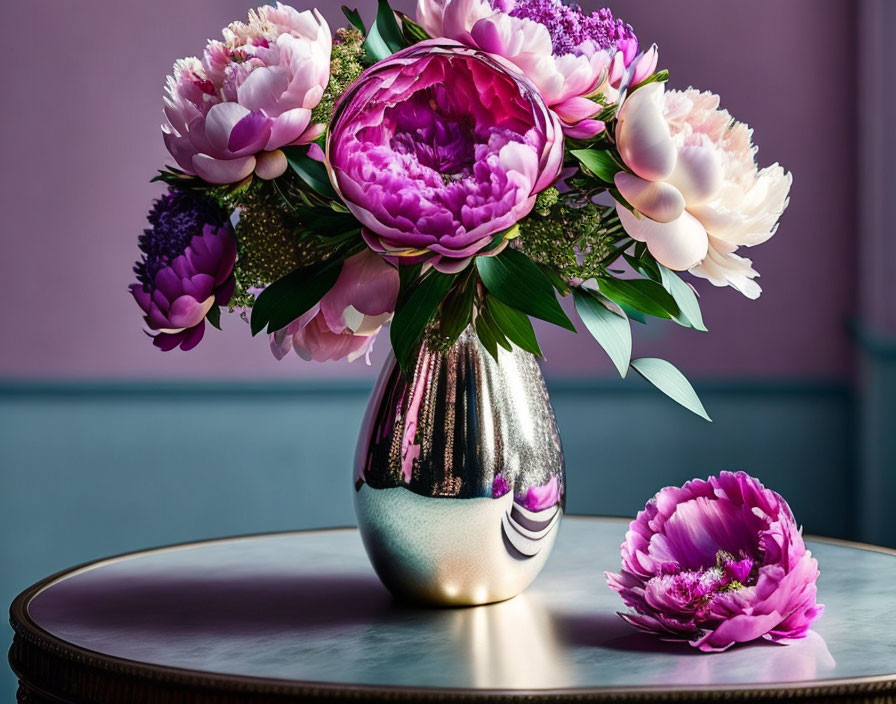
[(512, 644)]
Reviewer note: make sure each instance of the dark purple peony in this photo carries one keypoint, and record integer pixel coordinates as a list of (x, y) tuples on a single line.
[(718, 562), (187, 267)]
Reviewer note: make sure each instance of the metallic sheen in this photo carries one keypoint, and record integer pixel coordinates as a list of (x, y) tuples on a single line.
[(459, 475)]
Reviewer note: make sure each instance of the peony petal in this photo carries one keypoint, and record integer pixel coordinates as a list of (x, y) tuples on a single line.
[(219, 123), (679, 245), (643, 136), (698, 174), (262, 89), (657, 200), (645, 65), (223, 170), (270, 165), (576, 109), (586, 129), (186, 311), (288, 128)]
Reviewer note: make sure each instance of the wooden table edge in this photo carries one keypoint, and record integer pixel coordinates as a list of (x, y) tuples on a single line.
[(38, 659)]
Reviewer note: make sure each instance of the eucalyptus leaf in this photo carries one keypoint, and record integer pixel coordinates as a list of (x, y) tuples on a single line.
[(668, 379), (311, 171), (642, 294), (633, 314), (608, 324), (414, 313), (294, 295), (599, 162), (517, 281), (514, 324), (685, 298), (384, 37)]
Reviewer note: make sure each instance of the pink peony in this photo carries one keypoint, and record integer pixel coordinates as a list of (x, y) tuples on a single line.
[(346, 320), (439, 148), (718, 562), (566, 53), (695, 184), (228, 114)]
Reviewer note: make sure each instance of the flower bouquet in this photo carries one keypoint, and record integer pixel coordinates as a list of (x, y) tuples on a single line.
[(450, 176)]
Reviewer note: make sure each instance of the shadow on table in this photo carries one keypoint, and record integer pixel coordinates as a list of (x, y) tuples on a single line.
[(607, 630), (242, 604)]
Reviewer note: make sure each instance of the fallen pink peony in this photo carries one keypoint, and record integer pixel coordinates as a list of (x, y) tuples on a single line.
[(718, 562)]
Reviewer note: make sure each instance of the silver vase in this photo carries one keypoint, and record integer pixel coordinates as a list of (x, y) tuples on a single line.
[(459, 475)]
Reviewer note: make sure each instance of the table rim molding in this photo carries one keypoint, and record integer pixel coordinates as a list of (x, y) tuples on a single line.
[(39, 659)]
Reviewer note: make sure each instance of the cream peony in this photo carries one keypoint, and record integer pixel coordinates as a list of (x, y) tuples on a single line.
[(695, 185)]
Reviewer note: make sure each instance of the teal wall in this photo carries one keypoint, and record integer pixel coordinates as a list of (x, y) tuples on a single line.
[(94, 469)]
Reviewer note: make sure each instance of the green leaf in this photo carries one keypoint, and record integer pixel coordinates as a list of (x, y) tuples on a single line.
[(514, 325), (646, 266), (355, 18), (641, 294), (489, 334), (457, 310), (599, 162), (608, 325), (661, 76), (384, 37), (413, 32), (412, 317), (292, 296), (686, 299), (311, 171), (666, 377), (407, 274), (214, 316), (557, 281), (518, 281)]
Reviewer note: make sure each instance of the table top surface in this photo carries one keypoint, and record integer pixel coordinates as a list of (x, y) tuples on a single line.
[(306, 610)]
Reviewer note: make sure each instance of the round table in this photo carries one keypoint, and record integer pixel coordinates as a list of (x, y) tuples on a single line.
[(301, 616)]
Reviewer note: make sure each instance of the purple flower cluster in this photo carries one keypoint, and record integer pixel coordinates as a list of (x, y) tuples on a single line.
[(186, 269), (574, 32)]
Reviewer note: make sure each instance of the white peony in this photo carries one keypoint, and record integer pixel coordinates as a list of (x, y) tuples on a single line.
[(696, 188)]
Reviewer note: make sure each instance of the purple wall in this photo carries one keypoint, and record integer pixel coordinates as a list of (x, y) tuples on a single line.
[(81, 124)]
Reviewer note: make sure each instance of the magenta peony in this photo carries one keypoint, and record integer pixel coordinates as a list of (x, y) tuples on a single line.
[(695, 184), (718, 562), (186, 268), (438, 148), (346, 320), (228, 114), (567, 54)]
